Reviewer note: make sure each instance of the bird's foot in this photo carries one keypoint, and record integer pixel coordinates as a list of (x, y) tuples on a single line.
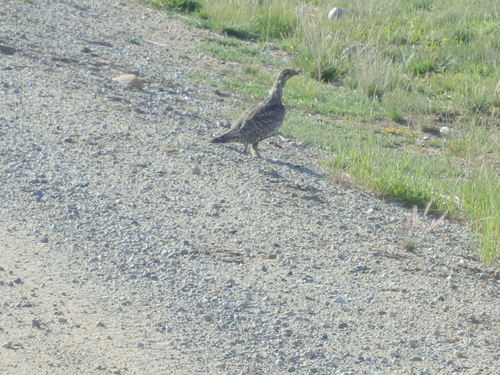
[(254, 150)]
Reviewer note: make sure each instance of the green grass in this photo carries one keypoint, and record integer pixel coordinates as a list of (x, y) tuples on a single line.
[(378, 84), (235, 50), (178, 5)]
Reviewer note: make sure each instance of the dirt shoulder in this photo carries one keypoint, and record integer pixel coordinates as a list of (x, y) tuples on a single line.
[(53, 324)]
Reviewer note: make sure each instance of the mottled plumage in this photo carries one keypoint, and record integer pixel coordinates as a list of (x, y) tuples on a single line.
[(262, 121)]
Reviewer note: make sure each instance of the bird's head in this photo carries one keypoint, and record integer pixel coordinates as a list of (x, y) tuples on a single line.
[(288, 73)]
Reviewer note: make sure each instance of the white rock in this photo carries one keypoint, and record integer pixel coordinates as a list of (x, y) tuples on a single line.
[(336, 13), (444, 130)]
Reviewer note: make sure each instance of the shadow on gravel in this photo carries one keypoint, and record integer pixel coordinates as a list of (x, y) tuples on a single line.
[(295, 167)]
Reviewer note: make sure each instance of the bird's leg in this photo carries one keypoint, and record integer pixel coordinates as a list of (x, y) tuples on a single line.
[(255, 151), (245, 148)]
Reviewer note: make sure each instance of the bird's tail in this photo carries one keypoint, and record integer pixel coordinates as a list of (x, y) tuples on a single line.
[(225, 138)]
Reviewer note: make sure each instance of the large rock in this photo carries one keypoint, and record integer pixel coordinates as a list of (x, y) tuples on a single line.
[(336, 13), (130, 80)]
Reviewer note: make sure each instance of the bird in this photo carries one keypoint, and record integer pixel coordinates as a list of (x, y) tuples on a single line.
[(261, 121)]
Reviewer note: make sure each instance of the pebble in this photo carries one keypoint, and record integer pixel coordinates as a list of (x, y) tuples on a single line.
[(208, 318), (7, 345), (310, 355), (330, 364), (360, 268), (395, 354), (481, 276), (414, 344)]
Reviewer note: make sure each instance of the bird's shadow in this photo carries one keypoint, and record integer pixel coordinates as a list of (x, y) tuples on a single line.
[(295, 167), (280, 163)]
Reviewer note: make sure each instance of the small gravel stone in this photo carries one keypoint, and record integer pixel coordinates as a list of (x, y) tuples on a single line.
[(208, 318), (7, 345), (330, 364), (395, 354)]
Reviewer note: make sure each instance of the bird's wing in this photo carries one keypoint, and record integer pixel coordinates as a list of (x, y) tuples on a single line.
[(261, 122), (249, 113)]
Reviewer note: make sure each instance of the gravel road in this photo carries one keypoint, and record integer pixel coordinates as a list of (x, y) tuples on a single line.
[(130, 245)]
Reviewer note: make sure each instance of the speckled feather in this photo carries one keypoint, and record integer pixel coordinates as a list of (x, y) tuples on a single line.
[(261, 121)]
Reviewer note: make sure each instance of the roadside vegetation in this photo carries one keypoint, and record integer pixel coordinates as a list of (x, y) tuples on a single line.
[(404, 95)]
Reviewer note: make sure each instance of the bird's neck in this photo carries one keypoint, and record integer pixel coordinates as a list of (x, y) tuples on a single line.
[(276, 92)]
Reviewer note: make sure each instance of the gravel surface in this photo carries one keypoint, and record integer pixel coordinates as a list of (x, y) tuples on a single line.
[(130, 245)]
